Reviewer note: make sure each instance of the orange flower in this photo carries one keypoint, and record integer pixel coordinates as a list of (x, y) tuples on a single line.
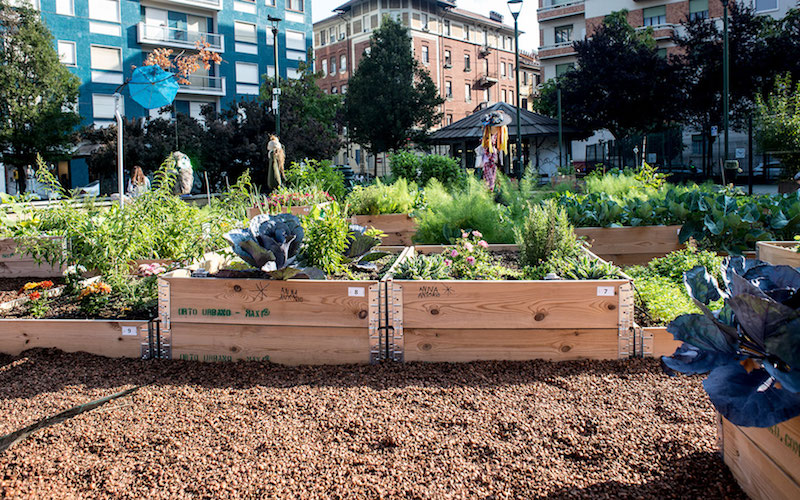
[(46, 284), (35, 295)]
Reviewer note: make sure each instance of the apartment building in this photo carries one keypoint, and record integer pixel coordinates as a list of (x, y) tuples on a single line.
[(100, 41), (530, 78)]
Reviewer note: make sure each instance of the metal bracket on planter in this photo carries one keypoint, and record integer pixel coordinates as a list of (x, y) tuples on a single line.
[(156, 347), (627, 329), (646, 342), (164, 337), (394, 332), (376, 342)]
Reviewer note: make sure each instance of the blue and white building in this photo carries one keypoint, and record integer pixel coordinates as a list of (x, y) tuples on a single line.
[(101, 41)]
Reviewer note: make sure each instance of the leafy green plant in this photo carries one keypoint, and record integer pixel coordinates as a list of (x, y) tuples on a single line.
[(270, 243), (662, 299), (445, 169), (326, 231), (379, 198), (404, 165), (318, 175), (285, 197), (584, 267), (423, 267), (675, 264), (469, 259), (94, 297), (546, 234), (751, 347)]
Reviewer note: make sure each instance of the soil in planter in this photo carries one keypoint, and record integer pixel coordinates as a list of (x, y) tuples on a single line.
[(68, 308), (611, 429), (10, 287)]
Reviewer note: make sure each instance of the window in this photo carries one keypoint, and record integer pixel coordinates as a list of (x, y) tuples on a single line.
[(467, 92), (466, 32), (698, 9), (563, 34), (467, 63), (448, 59), (511, 97), (335, 90), (333, 66), (697, 144), (295, 40), (244, 32), (65, 7), (563, 68), (424, 19), (426, 56), (446, 27), (66, 53), (510, 70), (106, 58), (765, 5), (365, 26), (503, 69), (662, 52), (103, 106), (448, 89), (342, 64), (344, 89), (324, 67), (104, 10), (247, 73), (295, 5), (655, 16), (524, 77), (322, 37), (505, 95), (449, 119), (524, 104), (485, 38)]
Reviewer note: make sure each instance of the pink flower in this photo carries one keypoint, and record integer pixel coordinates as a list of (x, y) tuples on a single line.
[(483, 244), (469, 246), (465, 235), (448, 262), (454, 253), (471, 260), (477, 234)]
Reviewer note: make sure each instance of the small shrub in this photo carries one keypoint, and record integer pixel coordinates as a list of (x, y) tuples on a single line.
[(546, 234), (442, 168), (379, 198), (404, 165), (317, 174), (675, 264), (423, 267), (325, 238)]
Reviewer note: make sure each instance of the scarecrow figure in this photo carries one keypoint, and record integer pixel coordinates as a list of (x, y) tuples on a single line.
[(276, 157), (494, 141)]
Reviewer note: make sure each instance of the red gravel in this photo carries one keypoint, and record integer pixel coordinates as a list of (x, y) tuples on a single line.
[(618, 429)]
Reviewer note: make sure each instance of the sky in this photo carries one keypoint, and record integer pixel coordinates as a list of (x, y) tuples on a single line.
[(529, 41)]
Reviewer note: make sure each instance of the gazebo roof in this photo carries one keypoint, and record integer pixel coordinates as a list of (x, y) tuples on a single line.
[(533, 125)]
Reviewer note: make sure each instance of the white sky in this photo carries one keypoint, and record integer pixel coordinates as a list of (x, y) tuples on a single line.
[(529, 40)]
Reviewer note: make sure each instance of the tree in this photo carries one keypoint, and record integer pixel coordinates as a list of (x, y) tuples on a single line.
[(779, 124), (38, 95), (391, 99), (620, 82)]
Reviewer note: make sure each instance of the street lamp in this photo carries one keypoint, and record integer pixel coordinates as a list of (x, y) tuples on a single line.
[(515, 6), (725, 78), (276, 91)]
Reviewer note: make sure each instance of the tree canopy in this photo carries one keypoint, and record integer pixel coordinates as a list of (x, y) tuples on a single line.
[(391, 99), (38, 95)]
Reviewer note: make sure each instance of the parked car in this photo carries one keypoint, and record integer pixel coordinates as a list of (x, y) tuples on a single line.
[(774, 169)]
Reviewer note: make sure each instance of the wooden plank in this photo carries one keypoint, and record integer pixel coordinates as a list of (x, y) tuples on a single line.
[(101, 337), (399, 228), (464, 345), (510, 304), (778, 253), (287, 345), (269, 302), (629, 245), (300, 210), (14, 264), (755, 469), (781, 443), (657, 342)]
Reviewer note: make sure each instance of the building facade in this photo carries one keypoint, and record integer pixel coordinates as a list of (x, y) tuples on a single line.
[(530, 78), (469, 56)]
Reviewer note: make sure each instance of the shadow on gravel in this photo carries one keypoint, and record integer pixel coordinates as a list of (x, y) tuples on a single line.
[(47, 370), (679, 481)]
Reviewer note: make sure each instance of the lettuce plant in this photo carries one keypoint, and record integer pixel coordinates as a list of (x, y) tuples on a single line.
[(751, 347)]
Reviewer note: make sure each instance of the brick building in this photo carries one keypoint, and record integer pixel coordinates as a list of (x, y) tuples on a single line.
[(469, 56)]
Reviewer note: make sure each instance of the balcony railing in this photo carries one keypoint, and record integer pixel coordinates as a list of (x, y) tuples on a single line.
[(175, 37), (487, 80), (549, 5), (205, 85), (207, 4)]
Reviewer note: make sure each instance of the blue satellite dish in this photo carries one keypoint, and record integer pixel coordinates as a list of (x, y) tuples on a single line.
[(152, 87)]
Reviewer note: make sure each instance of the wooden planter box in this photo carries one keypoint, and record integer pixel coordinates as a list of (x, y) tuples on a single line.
[(289, 322), (111, 338), (460, 321), (399, 228), (627, 246), (13, 264), (655, 342), (298, 211), (764, 461), (778, 253)]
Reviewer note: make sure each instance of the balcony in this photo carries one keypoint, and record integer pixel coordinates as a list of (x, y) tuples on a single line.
[(204, 85), (556, 50), (487, 80), (201, 4), (552, 9), (148, 34), (660, 31)]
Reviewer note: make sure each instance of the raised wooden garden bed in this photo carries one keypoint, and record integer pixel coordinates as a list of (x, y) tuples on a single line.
[(399, 228), (626, 246), (655, 342), (778, 253), (14, 264), (111, 338), (765, 461), (301, 210), (454, 321), (289, 322)]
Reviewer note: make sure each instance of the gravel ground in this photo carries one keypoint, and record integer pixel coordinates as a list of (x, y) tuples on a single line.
[(618, 429)]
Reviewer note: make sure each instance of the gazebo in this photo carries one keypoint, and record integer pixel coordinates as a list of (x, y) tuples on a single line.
[(539, 138)]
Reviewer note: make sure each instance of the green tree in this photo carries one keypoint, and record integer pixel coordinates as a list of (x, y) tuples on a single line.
[(391, 99), (620, 82), (779, 123), (38, 94)]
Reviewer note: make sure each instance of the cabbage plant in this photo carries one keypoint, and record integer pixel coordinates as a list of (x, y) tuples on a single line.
[(751, 347)]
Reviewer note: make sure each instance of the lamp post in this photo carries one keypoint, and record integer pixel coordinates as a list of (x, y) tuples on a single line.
[(515, 6), (725, 78), (276, 91)]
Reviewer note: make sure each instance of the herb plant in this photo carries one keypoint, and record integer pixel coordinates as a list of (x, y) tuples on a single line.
[(424, 267), (546, 234), (317, 175), (380, 198)]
